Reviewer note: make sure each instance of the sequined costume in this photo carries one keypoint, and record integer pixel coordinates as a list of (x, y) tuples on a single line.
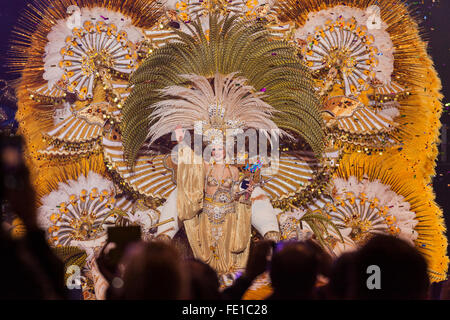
[(218, 225)]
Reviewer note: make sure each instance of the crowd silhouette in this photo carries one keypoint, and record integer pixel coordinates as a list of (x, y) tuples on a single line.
[(157, 270)]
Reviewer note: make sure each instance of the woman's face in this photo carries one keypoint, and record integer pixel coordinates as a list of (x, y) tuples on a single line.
[(218, 153)]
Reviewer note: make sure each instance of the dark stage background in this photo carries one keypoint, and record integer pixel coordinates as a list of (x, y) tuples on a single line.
[(432, 15)]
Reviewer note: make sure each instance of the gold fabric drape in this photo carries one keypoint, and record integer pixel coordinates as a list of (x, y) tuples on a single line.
[(223, 246)]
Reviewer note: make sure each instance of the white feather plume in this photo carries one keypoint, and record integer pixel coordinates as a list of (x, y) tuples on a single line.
[(397, 206), (187, 105), (51, 202), (382, 39), (62, 29)]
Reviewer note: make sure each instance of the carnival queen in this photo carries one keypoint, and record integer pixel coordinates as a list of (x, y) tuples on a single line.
[(216, 208)]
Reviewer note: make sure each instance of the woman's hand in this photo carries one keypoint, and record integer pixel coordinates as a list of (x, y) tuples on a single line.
[(179, 133), (251, 187), (104, 264)]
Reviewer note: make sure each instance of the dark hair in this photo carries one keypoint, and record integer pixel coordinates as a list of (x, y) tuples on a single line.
[(341, 276), (324, 259), (293, 272), (203, 281), (403, 270), (152, 271)]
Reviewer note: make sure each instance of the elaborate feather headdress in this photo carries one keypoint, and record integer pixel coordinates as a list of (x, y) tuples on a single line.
[(234, 44), (225, 107)]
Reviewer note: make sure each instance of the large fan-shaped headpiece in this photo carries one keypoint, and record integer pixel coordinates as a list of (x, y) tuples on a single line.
[(234, 44), (225, 108)]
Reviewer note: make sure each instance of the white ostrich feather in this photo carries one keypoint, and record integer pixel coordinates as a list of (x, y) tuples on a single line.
[(382, 39), (396, 204), (75, 214), (188, 105), (62, 29), (51, 201), (171, 4), (397, 208)]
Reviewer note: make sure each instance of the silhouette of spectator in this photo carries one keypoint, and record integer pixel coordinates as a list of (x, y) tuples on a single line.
[(293, 272), (403, 270), (31, 270), (324, 261), (445, 290), (150, 271), (203, 281), (340, 277), (257, 263)]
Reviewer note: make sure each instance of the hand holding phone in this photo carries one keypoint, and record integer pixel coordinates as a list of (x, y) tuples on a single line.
[(118, 240)]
